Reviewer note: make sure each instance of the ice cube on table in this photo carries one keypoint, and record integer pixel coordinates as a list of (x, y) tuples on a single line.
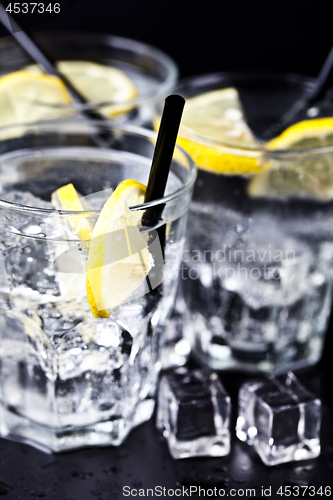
[(280, 418), (194, 413)]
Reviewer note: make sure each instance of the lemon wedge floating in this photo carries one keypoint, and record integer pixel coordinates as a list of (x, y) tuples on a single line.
[(69, 260), (19, 91), (218, 116), (67, 198), (306, 134), (306, 176), (118, 259), (97, 83)]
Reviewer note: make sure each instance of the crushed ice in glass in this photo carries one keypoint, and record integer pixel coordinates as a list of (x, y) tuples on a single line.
[(193, 413), (280, 418)]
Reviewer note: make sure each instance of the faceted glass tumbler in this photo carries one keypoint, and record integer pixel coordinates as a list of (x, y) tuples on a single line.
[(256, 275), (280, 419), (193, 413), (153, 73), (69, 379)]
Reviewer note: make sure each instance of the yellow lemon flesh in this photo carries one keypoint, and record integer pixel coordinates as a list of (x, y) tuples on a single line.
[(21, 90), (68, 257), (67, 198), (118, 259), (217, 116), (97, 83), (307, 175)]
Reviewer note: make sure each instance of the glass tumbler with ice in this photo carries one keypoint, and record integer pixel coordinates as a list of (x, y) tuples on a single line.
[(121, 79), (79, 336), (257, 266)]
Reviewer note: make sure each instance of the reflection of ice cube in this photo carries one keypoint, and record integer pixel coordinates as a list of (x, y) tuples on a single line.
[(276, 275), (193, 413), (280, 419)]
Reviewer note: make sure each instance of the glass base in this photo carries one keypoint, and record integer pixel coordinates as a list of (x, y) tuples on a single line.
[(278, 355), (49, 439), (225, 359)]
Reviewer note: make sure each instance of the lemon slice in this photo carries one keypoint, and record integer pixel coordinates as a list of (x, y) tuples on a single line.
[(19, 92), (67, 198), (305, 135), (308, 176), (118, 259), (69, 260), (97, 83), (218, 116)]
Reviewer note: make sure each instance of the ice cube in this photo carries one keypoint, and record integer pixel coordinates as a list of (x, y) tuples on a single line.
[(193, 413), (280, 419)]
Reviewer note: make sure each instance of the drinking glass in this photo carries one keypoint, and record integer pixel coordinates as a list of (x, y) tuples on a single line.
[(68, 379), (256, 276), (152, 71)]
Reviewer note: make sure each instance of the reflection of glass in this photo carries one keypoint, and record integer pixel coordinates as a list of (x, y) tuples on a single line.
[(257, 269), (69, 379), (152, 72)]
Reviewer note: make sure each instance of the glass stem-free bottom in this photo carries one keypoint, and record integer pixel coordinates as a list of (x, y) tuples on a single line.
[(109, 433)]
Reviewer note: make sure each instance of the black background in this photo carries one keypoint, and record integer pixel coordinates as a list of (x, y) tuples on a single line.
[(204, 36), (213, 35)]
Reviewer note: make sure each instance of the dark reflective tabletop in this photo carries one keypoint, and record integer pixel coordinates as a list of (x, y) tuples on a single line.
[(142, 466)]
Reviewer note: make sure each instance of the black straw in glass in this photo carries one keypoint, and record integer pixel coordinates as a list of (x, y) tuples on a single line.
[(165, 145), (159, 172), (298, 110)]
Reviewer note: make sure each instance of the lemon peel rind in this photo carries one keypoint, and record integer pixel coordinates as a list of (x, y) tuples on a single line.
[(299, 131)]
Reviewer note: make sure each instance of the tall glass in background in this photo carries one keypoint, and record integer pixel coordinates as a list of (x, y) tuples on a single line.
[(257, 267), (68, 379)]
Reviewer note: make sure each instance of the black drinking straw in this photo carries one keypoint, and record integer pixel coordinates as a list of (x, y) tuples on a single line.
[(306, 101), (159, 172), (163, 153)]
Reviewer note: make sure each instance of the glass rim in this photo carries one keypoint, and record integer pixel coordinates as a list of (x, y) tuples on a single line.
[(186, 186), (203, 80), (117, 42)]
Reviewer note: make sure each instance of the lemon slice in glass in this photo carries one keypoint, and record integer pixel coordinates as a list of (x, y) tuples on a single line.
[(118, 259), (306, 175), (69, 260), (97, 83), (19, 91), (67, 198), (217, 116)]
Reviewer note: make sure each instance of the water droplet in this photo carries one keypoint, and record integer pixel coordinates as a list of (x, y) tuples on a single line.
[(312, 112), (112, 470), (238, 480), (82, 475)]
